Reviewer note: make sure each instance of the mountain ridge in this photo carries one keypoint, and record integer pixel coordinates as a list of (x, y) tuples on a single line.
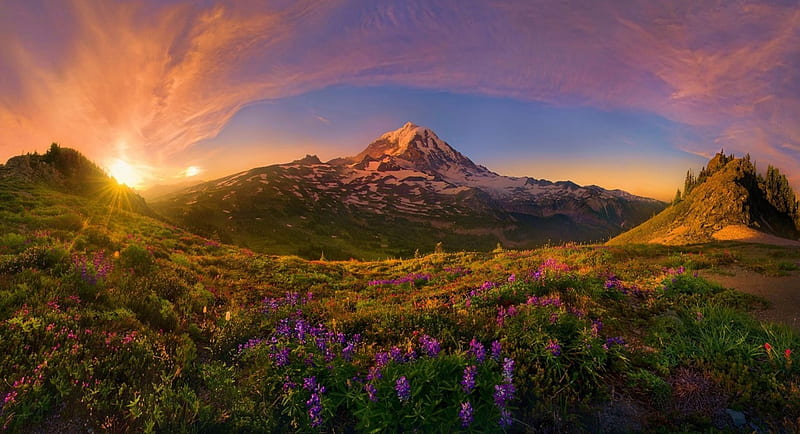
[(407, 190)]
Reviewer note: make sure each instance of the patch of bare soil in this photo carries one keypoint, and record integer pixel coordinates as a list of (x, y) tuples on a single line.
[(749, 235), (783, 293)]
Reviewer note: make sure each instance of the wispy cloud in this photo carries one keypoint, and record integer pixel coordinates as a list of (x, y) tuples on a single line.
[(150, 78)]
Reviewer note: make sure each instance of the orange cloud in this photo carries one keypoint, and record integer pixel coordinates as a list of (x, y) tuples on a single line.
[(146, 79)]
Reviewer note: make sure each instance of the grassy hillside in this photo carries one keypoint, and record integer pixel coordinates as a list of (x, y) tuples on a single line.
[(114, 321), (728, 193)]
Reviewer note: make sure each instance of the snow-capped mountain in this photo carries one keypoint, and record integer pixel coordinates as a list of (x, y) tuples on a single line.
[(407, 190)]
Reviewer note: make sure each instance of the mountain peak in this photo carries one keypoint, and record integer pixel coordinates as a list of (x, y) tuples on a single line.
[(308, 160), (402, 137), (418, 148)]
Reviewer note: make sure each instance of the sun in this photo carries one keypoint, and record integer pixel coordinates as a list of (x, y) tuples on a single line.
[(125, 173), (192, 171)]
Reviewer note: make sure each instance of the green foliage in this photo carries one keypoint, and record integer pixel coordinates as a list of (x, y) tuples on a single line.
[(684, 284), (677, 197), (137, 258), (658, 389), (178, 333), (779, 192), (12, 243)]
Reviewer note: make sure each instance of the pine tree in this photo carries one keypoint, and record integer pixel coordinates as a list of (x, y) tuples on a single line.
[(689, 183), (677, 197), (779, 192)]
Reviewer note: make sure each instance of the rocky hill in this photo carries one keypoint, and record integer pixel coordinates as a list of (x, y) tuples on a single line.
[(728, 200), (407, 191)]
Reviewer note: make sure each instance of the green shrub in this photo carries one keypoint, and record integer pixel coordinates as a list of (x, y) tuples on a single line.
[(137, 258), (66, 222), (12, 243), (656, 388)]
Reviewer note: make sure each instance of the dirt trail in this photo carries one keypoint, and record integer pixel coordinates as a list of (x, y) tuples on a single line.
[(783, 293)]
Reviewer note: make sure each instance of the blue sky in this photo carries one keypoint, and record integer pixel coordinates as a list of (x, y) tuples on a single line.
[(511, 137), (626, 94)]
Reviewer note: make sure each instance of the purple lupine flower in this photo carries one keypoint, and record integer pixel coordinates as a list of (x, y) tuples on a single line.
[(374, 373), (468, 380), (329, 356), (339, 338), (310, 383), (270, 304), (288, 384), (465, 414), (553, 300), (347, 351), (610, 342), (508, 370), (301, 327), (284, 328), (501, 316), (314, 405), (381, 359), (403, 389), (372, 392), (580, 313), (503, 393), (512, 278), (554, 347), (396, 354), (487, 286), (249, 344), (553, 318), (321, 343), (505, 418), (292, 298), (597, 325), (477, 350), (613, 282), (430, 345), (281, 357), (496, 349)]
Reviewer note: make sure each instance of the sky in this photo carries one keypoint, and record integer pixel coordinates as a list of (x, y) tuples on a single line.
[(622, 94)]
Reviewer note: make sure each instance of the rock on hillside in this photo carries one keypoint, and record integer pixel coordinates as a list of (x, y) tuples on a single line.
[(728, 201)]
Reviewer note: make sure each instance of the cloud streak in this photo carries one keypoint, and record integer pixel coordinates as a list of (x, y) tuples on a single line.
[(147, 79)]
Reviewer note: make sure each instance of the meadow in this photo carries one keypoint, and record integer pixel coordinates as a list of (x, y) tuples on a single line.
[(115, 321)]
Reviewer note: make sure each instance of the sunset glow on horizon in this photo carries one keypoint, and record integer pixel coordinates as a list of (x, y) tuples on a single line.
[(627, 94), (124, 173)]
